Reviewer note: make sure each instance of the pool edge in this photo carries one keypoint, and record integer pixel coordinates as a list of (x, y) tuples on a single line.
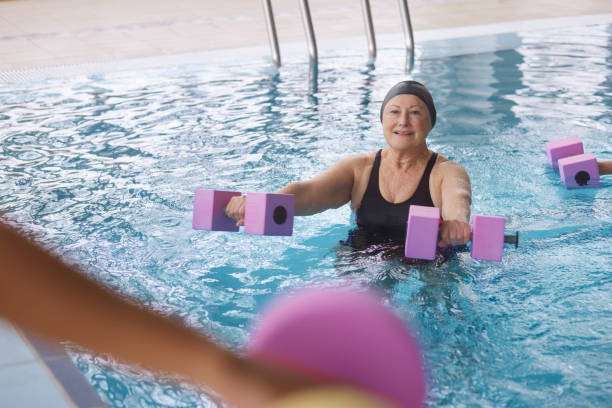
[(63, 372), (293, 49)]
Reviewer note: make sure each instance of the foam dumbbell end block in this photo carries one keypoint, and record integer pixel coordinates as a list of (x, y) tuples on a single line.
[(345, 337), (209, 210), (488, 237), (579, 171), (422, 232), (558, 149), (269, 214)]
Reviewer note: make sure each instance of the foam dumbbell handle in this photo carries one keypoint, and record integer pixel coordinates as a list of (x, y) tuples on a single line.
[(512, 239)]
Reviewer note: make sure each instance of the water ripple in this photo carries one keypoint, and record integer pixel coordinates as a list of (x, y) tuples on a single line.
[(103, 168)]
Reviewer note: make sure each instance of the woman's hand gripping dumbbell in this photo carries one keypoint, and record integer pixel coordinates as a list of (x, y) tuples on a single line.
[(264, 214), (422, 235)]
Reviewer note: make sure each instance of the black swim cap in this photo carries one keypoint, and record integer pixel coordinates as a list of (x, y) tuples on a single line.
[(412, 88)]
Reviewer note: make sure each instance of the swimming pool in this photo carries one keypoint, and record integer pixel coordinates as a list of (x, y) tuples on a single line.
[(103, 168)]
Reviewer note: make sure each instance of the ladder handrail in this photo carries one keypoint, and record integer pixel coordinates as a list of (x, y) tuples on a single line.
[(408, 34), (367, 19), (310, 36), (272, 32), (312, 42)]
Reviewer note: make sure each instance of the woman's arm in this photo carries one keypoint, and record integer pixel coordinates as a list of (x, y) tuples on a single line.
[(605, 167), (38, 292), (329, 189), (456, 199)]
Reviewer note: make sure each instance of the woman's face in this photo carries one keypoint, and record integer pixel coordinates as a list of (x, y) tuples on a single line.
[(406, 122)]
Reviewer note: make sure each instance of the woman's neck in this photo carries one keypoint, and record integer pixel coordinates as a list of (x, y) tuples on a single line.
[(406, 160)]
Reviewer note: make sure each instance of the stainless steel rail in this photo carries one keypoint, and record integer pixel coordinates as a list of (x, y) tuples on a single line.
[(310, 36), (312, 42), (367, 19), (272, 32), (408, 34)]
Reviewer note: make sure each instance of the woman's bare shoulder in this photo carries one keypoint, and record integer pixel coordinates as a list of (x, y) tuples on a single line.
[(362, 158), (445, 167), (444, 164), (358, 162)]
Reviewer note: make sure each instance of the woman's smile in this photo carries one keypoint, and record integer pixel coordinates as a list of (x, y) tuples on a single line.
[(403, 132)]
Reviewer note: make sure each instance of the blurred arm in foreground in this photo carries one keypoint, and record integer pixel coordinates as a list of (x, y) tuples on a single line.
[(42, 294)]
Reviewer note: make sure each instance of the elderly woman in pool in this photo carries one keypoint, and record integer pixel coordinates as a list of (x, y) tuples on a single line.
[(382, 185)]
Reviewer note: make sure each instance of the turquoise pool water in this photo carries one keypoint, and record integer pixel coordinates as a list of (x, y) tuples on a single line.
[(103, 168)]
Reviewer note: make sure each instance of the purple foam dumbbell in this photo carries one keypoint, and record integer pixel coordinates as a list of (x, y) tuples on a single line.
[(269, 214), (209, 210), (579, 171), (422, 232), (558, 149), (488, 237)]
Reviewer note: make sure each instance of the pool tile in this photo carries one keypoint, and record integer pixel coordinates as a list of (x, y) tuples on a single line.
[(29, 385), (16, 46), (65, 373), (8, 30), (74, 383), (46, 350), (13, 349), (36, 23)]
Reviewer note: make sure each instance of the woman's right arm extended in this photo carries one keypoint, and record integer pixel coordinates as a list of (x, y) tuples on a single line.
[(329, 189)]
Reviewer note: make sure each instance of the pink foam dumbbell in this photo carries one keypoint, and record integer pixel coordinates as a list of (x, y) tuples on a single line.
[(265, 214), (579, 171), (488, 237), (345, 337), (209, 210), (269, 214), (422, 232), (558, 149)]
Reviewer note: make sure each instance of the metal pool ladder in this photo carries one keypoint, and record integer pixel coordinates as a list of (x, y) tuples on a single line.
[(312, 43)]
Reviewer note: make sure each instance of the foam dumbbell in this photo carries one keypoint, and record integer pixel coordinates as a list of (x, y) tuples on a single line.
[(422, 232), (579, 171), (422, 235), (269, 214), (558, 149), (576, 168), (488, 237), (209, 210), (315, 331), (265, 214)]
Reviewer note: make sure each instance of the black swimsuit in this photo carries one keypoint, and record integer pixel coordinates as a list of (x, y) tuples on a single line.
[(381, 225), (377, 215)]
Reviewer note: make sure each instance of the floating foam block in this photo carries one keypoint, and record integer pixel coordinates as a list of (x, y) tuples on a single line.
[(343, 337), (269, 214), (488, 237), (558, 149), (208, 210), (579, 171), (422, 232)]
